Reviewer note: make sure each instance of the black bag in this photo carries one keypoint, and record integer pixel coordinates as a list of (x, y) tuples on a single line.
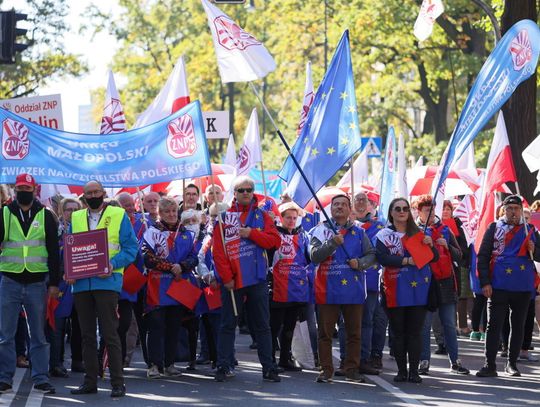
[(434, 296)]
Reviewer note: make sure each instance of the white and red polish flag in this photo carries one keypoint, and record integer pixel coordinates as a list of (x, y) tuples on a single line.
[(172, 97), (500, 169), (241, 57), (113, 119), (250, 152), (429, 11), (531, 156), (309, 96)]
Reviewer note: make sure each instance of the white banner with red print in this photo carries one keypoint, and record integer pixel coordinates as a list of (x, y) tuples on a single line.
[(172, 148)]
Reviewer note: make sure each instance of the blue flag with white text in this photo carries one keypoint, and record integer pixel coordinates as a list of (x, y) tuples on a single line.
[(389, 175), (331, 134), (172, 148), (512, 61)]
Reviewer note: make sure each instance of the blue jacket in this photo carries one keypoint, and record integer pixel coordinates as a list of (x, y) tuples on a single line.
[(126, 256)]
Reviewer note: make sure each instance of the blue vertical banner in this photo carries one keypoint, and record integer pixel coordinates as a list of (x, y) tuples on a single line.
[(389, 175), (513, 60), (172, 148)]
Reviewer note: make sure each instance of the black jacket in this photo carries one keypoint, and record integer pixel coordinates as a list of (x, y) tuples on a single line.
[(51, 243)]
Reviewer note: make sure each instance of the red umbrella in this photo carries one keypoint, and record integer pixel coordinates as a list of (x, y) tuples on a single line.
[(459, 182), (367, 189), (325, 195)]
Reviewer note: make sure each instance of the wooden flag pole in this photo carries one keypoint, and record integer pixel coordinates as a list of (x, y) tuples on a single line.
[(524, 222), (220, 222), (352, 181)]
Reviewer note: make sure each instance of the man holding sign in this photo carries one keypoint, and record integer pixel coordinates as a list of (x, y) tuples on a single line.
[(98, 295)]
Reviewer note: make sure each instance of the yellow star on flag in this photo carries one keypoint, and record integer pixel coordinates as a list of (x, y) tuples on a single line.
[(331, 150), (522, 267), (352, 109), (344, 141), (356, 278), (414, 283), (343, 95), (353, 232), (344, 282), (60, 294), (301, 282), (314, 152), (508, 270), (323, 96), (352, 125), (426, 279), (184, 237), (380, 227), (257, 216)]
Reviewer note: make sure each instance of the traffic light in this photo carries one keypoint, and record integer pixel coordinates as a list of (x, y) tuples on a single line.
[(8, 35)]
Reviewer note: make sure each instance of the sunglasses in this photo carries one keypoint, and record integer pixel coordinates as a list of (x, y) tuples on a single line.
[(245, 190), (404, 209)]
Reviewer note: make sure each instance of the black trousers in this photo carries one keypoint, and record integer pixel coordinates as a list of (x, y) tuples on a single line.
[(282, 322), (479, 310), (163, 324), (528, 330), (138, 311), (101, 304), (406, 324), (498, 304), (76, 337)]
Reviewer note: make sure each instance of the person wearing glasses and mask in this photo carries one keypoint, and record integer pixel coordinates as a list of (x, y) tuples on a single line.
[(406, 288), (507, 275), (98, 296), (242, 266)]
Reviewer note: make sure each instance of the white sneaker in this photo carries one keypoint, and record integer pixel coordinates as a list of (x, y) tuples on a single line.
[(423, 368), (153, 372), (171, 371)]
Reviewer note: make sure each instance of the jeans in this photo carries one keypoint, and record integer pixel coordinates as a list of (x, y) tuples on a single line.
[(367, 323), (380, 323), (447, 315), (32, 297), (311, 318), (56, 339), (259, 314), (163, 325)]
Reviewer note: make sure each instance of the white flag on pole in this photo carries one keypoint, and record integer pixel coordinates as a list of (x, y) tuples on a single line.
[(113, 119), (172, 97), (250, 153), (241, 58), (401, 187), (429, 11), (309, 96), (361, 173), (230, 155), (531, 155)]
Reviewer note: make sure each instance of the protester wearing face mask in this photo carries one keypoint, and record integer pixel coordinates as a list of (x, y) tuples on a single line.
[(98, 296), (30, 254)]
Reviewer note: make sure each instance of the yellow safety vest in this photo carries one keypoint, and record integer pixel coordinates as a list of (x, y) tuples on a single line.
[(111, 219), (20, 252)]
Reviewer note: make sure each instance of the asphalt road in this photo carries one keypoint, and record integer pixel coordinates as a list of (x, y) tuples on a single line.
[(440, 388)]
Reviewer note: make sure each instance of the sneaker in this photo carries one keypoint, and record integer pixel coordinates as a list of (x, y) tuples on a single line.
[(230, 372), (5, 388), (354, 376), (483, 336), (458, 369), (475, 336), (271, 376), (45, 388), (171, 371), (324, 378), (441, 350), (528, 357), (487, 371), (153, 372), (221, 374), (423, 368), (512, 370)]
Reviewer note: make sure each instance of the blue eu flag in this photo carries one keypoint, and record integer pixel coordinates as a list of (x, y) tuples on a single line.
[(331, 135)]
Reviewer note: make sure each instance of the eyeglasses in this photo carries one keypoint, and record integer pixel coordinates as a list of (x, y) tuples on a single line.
[(245, 190), (403, 209)]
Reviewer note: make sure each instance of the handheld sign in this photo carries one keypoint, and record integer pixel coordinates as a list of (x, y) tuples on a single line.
[(86, 254)]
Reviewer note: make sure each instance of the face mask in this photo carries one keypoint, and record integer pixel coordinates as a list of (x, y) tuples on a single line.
[(94, 202), (25, 197), (194, 228)]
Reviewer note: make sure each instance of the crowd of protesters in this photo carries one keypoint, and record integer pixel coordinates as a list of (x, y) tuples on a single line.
[(184, 275)]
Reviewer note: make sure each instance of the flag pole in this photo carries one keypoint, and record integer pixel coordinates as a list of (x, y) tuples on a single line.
[(220, 222), (284, 142), (352, 180), (264, 181), (524, 222), (141, 209)]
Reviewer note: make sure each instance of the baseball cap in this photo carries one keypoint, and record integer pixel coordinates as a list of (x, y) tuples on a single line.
[(513, 200), (290, 205), (25, 179)]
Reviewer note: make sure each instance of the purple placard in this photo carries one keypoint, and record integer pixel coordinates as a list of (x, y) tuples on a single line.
[(86, 254)]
